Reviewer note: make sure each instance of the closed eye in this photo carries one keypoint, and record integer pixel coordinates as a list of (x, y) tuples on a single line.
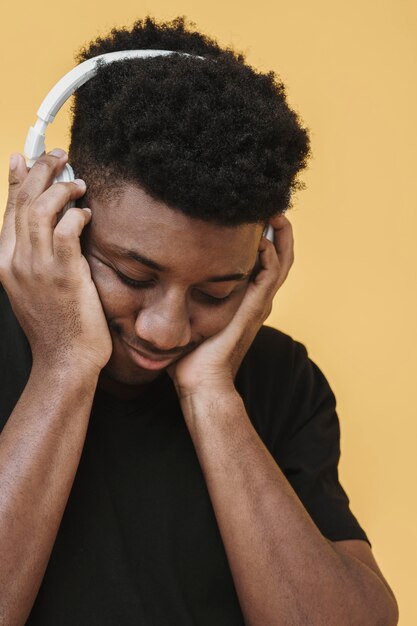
[(214, 300), (146, 284), (137, 284)]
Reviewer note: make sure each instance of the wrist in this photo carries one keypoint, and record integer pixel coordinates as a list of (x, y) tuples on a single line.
[(213, 401), (209, 386), (64, 372)]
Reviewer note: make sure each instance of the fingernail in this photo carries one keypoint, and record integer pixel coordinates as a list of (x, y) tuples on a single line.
[(14, 160), (80, 182), (87, 209), (57, 152)]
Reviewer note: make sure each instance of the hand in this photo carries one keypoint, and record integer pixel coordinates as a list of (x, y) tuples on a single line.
[(46, 278), (214, 363)]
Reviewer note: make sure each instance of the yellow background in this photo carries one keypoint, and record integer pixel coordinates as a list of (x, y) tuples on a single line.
[(350, 70)]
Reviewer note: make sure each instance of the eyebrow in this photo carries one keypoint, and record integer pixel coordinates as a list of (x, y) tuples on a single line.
[(140, 258)]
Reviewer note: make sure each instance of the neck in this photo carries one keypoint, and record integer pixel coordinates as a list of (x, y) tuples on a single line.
[(119, 389)]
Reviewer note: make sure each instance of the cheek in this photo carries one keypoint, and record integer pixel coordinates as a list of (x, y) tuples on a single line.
[(209, 320), (115, 297)]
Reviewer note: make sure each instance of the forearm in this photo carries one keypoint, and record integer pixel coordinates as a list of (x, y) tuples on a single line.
[(40, 448), (285, 571)]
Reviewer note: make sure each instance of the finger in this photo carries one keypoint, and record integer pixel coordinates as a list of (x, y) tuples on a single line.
[(17, 174), (42, 216), (269, 273), (276, 260), (40, 176), (66, 239), (284, 245)]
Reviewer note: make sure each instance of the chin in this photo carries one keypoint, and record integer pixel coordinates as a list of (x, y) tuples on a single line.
[(130, 375)]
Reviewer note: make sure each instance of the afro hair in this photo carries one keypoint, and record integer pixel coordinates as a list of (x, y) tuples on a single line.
[(210, 137)]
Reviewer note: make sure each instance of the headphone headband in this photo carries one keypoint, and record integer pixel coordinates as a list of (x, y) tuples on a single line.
[(65, 87)]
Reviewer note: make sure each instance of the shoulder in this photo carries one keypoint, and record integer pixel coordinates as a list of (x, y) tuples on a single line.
[(15, 358), (274, 358), (275, 346), (5, 307), (282, 388), (10, 330)]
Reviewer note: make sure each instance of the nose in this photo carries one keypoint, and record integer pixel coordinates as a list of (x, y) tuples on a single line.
[(164, 323)]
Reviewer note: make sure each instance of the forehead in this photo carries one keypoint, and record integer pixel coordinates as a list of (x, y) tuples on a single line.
[(134, 220)]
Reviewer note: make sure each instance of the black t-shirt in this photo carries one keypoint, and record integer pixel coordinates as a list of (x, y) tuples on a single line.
[(139, 543)]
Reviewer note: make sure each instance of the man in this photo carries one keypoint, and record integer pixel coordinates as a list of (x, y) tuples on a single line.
[(165, 460)]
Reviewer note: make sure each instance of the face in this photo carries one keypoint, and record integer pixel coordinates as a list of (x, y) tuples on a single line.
[(166, 282)]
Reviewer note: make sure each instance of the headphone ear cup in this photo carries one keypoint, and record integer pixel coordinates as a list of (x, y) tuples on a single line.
[(66, 176), (269, 233)]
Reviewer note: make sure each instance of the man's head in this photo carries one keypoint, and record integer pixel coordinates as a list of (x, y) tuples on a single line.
[(185, 161)]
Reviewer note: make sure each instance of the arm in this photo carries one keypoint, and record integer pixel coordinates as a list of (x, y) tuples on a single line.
[(40, 448), (49, 286), (285, 571)]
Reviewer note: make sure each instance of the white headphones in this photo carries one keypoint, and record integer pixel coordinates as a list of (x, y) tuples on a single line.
[(64, 88), (59, 94)]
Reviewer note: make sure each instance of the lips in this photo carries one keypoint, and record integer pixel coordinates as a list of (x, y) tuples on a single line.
[(148, 360)]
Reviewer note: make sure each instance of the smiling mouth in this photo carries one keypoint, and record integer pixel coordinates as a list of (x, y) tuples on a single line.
[(149, 360), (155, 357)]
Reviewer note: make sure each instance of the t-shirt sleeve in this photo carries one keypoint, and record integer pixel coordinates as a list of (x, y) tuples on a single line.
[(308, 451)]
